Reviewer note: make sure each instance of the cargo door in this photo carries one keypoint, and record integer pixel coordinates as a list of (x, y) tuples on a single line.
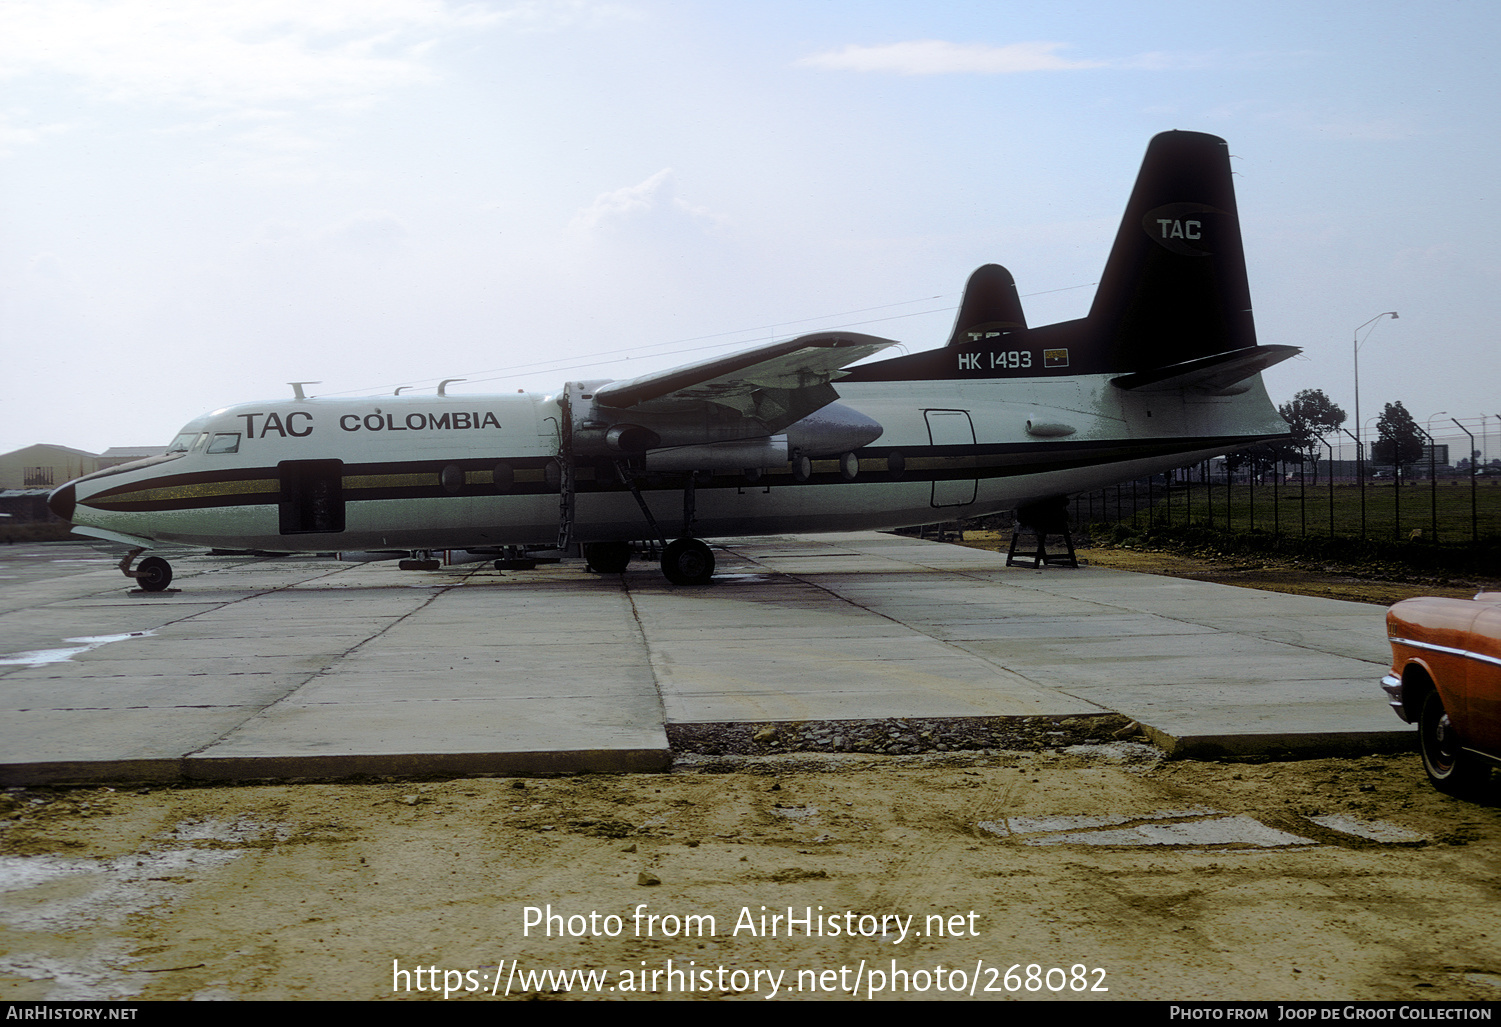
[(954, 482), (312, 496)]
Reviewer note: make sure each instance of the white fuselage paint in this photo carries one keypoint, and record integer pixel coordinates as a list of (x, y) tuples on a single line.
[(392, 445)]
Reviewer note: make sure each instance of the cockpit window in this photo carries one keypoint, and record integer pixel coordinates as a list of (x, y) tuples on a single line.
[(183, 442), (225, 442)]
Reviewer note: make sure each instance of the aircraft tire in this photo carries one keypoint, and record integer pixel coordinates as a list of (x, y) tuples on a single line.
[(688, 561), (154, 574), (608, 557)]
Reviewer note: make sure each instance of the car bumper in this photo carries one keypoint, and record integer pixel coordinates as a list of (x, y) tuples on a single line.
[(1392, 686)]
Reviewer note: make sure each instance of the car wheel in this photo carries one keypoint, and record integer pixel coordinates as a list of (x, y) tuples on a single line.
[(687, 561), (154, 574), (1448, 766)]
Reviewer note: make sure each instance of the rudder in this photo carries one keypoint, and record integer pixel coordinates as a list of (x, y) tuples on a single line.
[(1174, 287)]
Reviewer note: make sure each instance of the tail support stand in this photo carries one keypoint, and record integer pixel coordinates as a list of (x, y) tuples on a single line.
[(1040, 556), (1041, 520)]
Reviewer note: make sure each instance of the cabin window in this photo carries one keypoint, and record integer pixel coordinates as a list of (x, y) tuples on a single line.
[(225, 442)]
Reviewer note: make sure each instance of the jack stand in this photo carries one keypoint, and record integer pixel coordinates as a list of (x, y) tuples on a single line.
[(1041, 557)]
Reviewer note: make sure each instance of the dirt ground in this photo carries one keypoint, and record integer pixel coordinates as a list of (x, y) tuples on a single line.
[(1051, 875), (1152, 879), (1271, 574)]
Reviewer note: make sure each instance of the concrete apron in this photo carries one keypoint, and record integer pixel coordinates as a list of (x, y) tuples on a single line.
[(303, 669)]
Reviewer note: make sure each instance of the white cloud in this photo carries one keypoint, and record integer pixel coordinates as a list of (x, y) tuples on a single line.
[(18, 128), (232, 54), (938, 57), (652, 201)]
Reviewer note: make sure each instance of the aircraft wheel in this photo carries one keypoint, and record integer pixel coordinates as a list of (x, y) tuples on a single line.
[(688, 561), (154, 574), (1449, 767), (608, 557)]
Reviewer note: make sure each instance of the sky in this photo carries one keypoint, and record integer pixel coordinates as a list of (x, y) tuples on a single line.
[(202, 201)]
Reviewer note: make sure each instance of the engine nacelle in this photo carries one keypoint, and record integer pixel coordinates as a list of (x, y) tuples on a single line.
[(741, 455), (832, 430)]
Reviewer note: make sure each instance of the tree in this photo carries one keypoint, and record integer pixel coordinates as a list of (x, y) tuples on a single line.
[(1398, 439), (1257, 461), (1310, 416)]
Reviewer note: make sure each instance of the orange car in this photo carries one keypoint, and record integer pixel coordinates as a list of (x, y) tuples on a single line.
[(1446, 678)]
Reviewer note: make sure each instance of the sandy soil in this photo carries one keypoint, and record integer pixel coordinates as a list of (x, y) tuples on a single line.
[(1153, 879), (1093, 867)]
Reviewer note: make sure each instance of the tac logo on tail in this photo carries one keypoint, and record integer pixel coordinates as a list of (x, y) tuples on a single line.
[(1182, 228)]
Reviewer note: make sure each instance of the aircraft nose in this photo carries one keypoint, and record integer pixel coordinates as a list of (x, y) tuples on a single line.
[(62, 501)]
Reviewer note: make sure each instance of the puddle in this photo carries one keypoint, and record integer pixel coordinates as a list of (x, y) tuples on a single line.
[(1199, 825), (71, 894), (1037, 825), (1371, 830), (42, 657), (60, 895), (795, 812), (1237, 830)]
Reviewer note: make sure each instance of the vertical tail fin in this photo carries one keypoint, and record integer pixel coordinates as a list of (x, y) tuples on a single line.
[(1174, 287)]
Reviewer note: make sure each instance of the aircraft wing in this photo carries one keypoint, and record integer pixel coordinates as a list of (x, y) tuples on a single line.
[(807, 362)]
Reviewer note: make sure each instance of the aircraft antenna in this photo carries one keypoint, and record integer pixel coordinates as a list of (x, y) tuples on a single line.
[(297, 392), (445, 383)]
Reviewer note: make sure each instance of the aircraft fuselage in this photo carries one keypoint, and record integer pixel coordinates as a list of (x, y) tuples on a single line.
[(426, 472)]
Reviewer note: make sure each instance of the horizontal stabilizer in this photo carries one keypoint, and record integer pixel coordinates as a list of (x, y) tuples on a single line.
[(802, 363), (1216, 373)]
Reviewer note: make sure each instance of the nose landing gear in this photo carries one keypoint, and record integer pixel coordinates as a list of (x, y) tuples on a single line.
[(153, 575)]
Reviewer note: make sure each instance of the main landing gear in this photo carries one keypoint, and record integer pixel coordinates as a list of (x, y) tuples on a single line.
[(608, 557), (688, 561), (685, 560), (153, 575)]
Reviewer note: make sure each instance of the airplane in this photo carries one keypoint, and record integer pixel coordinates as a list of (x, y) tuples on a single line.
[(1164, 371)]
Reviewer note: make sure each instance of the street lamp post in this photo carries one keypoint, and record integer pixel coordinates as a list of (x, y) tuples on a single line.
[(1359, 456)]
